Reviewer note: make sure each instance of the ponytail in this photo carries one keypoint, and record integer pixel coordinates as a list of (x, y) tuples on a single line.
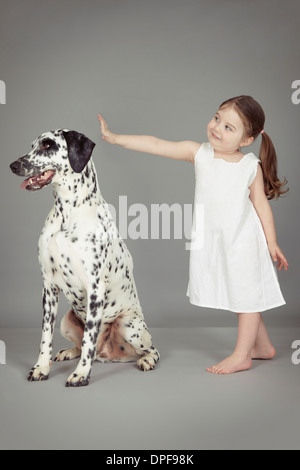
[(272, 184)]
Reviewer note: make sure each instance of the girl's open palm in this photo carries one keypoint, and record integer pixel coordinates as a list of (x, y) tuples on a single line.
[(106, 134)]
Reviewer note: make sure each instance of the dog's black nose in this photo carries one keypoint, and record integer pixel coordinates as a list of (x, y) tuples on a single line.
[(15, 166)]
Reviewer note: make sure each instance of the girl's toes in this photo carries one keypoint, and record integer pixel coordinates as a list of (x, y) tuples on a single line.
[(212, 369)]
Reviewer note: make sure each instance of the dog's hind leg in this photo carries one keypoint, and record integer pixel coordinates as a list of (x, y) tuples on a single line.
[(71, 328)]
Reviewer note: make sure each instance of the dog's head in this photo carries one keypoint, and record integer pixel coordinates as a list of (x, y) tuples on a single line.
[(53, 154)]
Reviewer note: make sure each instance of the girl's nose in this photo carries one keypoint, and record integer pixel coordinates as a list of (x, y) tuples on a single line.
[(218, 126), (217, 130)]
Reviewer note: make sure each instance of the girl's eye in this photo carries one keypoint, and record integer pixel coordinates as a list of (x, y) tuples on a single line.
[(227, 127)]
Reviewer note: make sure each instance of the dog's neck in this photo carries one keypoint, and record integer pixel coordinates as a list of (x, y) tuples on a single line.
[(76, 190)]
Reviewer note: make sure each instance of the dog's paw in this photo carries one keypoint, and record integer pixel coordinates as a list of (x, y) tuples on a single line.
[(146, 363), (38, 373), (77, 380), (67, 354)]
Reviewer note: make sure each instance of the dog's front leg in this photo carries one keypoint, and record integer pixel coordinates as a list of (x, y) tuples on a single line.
[(50, 303), (81, 376)]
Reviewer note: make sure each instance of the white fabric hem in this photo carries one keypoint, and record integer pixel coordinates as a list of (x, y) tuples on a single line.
[(262, 309)]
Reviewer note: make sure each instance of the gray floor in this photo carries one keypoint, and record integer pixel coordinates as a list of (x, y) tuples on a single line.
[(177, 406)]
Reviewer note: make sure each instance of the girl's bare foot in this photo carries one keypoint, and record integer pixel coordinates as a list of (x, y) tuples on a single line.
[(230, 365), (263, 352)]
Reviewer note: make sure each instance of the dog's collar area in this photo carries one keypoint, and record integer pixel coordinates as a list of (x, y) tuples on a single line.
[(36, 182)]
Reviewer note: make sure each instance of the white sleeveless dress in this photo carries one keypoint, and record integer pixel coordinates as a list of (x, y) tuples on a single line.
[(230, 264)]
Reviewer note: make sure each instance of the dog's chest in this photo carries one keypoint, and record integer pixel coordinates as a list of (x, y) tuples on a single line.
[(61, 264)]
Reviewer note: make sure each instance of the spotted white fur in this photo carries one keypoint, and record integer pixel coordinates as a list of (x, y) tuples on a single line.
[(82, 255)]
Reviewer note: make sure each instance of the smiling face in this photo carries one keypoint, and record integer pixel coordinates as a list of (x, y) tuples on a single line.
[(226, 131)]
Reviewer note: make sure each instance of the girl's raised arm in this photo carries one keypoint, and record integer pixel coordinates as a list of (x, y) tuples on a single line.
[(184, 150)]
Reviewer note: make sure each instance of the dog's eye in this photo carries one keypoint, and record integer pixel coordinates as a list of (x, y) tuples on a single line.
[(46, 144)]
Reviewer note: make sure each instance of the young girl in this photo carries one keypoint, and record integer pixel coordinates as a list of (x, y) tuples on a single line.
[(231, 268)]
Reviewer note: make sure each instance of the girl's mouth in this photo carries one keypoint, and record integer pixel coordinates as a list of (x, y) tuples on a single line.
[(215, 137)]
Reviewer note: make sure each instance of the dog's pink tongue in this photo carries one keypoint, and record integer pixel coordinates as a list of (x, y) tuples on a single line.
[(25, 183)]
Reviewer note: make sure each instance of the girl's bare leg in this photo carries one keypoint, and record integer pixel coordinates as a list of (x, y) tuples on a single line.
[(240, 359), (263, 348)]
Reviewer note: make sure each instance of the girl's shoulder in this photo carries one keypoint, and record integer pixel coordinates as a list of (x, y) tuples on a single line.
[(251, 162), (252, 157), (200, 150)]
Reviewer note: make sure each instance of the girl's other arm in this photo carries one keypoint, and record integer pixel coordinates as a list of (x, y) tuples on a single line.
[(184, 150), (264, 211)]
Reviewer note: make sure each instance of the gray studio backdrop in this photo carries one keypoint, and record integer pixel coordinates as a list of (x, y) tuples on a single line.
[(158, 67)]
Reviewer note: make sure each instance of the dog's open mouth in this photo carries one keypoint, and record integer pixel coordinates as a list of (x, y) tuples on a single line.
[(38, 181)]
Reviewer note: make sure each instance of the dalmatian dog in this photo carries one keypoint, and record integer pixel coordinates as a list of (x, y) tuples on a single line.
[(82, 255)]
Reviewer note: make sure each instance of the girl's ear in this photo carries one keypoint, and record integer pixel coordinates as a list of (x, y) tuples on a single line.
[(247, 141)]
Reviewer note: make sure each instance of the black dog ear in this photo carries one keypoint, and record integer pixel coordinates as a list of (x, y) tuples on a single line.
[(80, 149)]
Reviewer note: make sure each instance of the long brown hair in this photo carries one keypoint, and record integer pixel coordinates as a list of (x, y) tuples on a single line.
[(253, 118)]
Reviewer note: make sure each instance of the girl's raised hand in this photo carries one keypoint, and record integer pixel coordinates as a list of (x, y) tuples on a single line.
[(108, 136)]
